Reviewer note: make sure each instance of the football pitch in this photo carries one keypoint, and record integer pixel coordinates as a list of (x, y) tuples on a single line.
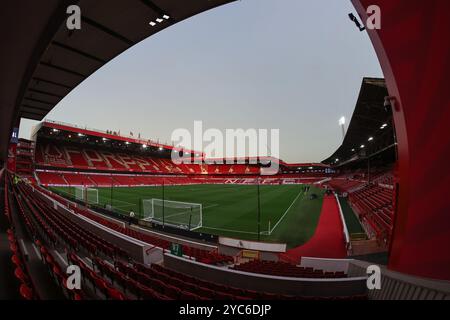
[(287, 213)]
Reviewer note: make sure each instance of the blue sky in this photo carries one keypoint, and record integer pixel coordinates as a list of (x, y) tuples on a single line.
[(293, 65)]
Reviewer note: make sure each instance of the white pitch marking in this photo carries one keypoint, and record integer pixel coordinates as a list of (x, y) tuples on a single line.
[(284, 214)]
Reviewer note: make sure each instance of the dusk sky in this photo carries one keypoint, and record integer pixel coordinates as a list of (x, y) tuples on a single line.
[(293, 65)]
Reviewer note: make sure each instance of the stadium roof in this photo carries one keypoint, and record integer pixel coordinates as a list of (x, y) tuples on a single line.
[(370, 130), (117, 136), (42, 61)]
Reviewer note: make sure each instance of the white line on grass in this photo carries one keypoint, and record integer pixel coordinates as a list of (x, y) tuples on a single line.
[(230, 230), (285, 213)]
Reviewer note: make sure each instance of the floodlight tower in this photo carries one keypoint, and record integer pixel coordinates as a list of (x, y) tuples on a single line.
[(342, 124)]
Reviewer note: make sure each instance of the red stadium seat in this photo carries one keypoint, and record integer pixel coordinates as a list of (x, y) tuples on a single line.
[(26, 292)]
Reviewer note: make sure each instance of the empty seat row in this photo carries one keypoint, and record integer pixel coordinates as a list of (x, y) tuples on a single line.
[(26, 287), (209, 257), (284, 269)]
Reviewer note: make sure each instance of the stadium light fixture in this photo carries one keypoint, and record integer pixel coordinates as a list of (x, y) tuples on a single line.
[(159, 20), (161, 148), (362, 146), (353, 150), (81, 135), (383, 126), (127, 143), (55, 130), (144, 146), (104, 139), (342, 125), (370, 139)]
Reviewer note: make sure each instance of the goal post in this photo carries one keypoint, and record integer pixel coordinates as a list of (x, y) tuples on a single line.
[(79, 193), (185, 215), (89, 195)]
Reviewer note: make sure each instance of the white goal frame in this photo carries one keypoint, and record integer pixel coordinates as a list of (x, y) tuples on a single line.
[(150, 216), (85, 194)]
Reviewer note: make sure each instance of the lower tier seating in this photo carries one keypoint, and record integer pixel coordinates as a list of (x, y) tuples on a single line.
[(375, 205), (283, 269)]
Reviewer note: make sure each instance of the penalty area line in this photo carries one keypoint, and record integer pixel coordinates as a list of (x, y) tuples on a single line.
[(286, 212)]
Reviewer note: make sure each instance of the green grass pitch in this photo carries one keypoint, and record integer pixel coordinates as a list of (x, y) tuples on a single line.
[(231, 210)]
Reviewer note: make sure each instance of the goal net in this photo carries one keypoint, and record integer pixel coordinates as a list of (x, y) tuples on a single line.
[(184, 215), (88, 195)]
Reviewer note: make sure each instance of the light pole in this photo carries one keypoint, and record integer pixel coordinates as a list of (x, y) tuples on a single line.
[(342, 124)]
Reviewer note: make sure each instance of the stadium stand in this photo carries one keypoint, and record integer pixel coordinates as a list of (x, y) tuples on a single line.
[(371, 200), (111, 275), (409, 257), (52, 155), (283, 269), (209, 257), (63, 178), (374, 204)]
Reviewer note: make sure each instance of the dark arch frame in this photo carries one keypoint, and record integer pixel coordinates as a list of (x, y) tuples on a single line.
[(413, 54)]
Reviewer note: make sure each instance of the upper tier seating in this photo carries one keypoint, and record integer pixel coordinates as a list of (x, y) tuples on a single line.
[(62, 156)]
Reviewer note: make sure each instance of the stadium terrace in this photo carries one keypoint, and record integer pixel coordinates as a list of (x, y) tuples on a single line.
[(87, 214)]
